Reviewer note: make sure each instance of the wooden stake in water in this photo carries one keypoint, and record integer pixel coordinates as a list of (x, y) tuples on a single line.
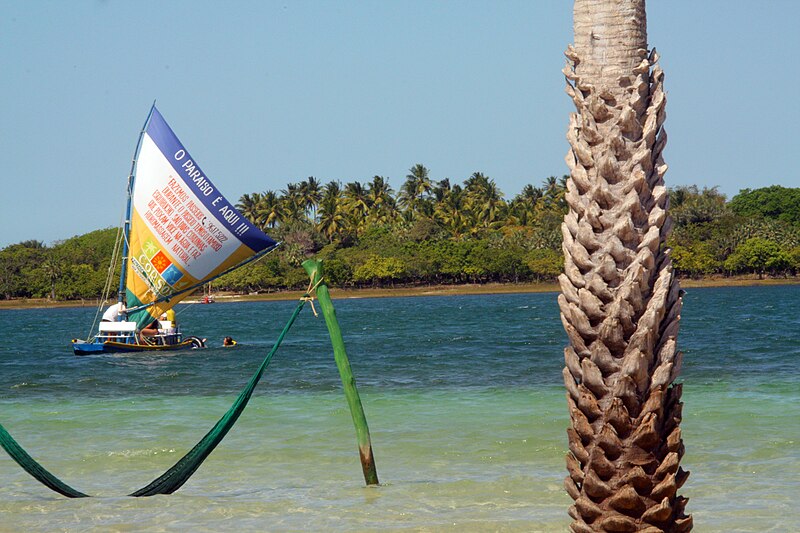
[(314, 269)]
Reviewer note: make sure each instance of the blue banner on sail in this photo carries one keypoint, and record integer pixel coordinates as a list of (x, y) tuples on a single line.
[(203, 189)]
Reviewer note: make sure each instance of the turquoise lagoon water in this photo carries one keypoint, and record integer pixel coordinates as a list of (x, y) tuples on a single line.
[(463, 396)]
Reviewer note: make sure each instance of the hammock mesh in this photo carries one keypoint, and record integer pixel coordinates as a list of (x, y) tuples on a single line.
[(175, 477)]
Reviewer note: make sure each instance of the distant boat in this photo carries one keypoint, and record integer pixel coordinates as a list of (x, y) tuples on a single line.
[(208, 298), (179, 233)]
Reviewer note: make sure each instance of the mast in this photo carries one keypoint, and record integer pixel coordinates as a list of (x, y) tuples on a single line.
[(127, 225)]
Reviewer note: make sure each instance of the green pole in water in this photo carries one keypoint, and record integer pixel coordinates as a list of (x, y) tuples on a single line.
[(314, 269)]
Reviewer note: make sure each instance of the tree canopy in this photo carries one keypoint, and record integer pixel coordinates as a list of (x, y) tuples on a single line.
[(775, 202), (432, 232)]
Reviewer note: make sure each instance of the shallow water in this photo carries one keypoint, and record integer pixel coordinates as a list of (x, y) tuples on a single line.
[(463, 397)]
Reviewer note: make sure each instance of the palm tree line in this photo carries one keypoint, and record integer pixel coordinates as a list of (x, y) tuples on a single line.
[(340, 211)]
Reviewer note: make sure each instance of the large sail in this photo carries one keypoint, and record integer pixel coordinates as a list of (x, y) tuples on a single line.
[(183, 231)]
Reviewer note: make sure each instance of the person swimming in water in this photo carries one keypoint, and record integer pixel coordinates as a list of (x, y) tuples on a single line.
[(228, 341)]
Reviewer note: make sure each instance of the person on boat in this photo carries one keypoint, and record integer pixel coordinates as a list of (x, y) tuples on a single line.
[(228, 341), (171, 317), (151, 330), (114, 313), (165, 325)]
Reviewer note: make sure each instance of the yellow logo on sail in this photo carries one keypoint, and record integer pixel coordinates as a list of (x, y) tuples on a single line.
[(156, 269)]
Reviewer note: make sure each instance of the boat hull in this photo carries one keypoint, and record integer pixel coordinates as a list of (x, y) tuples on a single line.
[(97, 348)]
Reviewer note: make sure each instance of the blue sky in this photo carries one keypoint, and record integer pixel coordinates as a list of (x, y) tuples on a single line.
[(266, 93)]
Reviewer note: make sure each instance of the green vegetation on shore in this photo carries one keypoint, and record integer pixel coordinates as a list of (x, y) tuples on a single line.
[(432, 233)]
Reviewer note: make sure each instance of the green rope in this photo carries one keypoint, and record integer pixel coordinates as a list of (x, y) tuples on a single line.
[(35, 469), (175, 477)]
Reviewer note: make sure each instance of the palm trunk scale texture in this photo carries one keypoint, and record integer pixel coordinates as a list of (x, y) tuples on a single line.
[(620, 301)]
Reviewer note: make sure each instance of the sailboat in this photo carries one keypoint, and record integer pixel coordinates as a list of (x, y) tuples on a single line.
[(179, 234)]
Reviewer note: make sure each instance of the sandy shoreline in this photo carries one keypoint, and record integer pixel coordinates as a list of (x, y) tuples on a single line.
[(432, 290)]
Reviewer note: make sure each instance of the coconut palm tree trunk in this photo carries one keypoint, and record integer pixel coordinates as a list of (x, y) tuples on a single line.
[(620, 301)]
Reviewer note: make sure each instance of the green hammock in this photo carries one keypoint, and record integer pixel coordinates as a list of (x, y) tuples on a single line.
[(181, 471), (35, 469)]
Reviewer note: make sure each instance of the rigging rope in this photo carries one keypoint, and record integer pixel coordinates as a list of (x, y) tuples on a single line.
[(115, 252), (180, 472)]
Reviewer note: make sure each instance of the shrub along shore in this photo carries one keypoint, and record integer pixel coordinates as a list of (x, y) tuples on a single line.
[(397, 292), (432, 234)]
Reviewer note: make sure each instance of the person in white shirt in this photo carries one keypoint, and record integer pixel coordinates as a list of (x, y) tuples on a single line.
[(114, 313)]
